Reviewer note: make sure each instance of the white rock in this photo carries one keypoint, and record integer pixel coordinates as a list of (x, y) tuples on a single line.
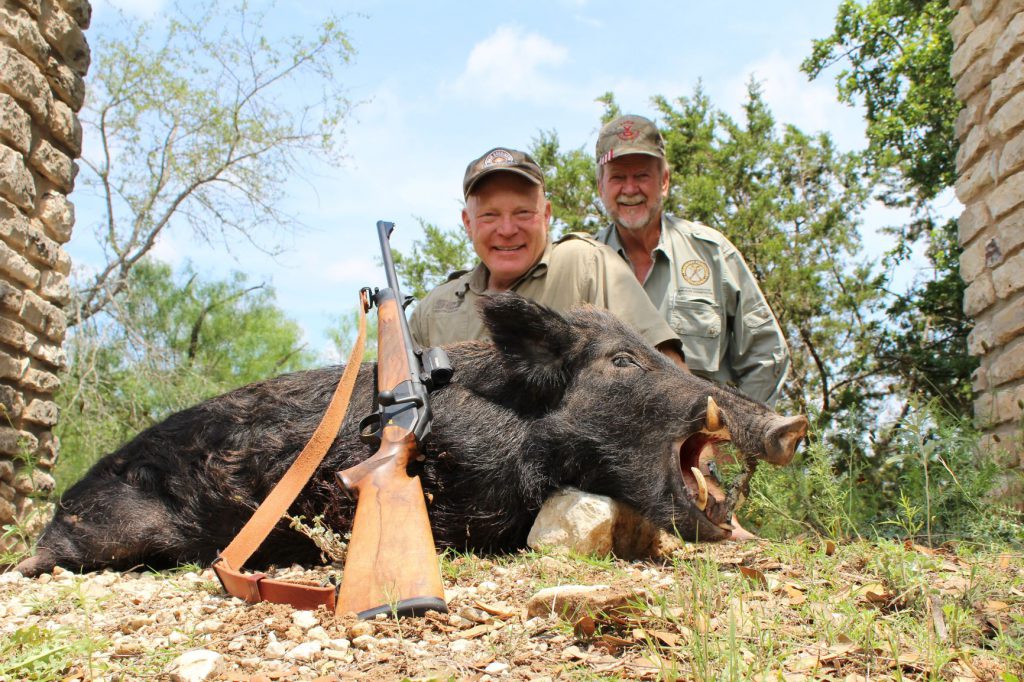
[(459, 646), (275, 649), (488, 586), (196, 666), (573, 520), (306, 651), (340, 644), (209, 626), (364, 642), (304, 619), (496, 668), (319, 634), (177, 637), (10, 578)]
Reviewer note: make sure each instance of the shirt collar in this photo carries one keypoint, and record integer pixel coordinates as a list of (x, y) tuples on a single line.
[(662, 247)]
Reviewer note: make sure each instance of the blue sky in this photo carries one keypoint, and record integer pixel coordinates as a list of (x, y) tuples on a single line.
[(438, 83)]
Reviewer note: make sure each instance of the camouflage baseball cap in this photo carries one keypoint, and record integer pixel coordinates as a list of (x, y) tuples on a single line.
[(629, 135), (501, 159)]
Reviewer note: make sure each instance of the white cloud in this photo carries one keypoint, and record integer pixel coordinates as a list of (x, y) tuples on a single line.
[(511, 63)]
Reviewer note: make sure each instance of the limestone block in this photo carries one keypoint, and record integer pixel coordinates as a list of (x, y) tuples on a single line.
[(14, 442), (1008, 404), (14, 266), (1011, 159), (10, 297), (15, 124), (972, 260), (79, 10), (1011, 230), (1009, 40), (53, 286), (1007, 363), (57, 215), (67, 85), (974, 179), (979, 379), (12, 334), (1008, 278), (33, 7), (18, 25), (46, 451), (55, 165), (974, 218), (1008, 321), (40, 381), (12, 367), (65, 127), (573, 520), (16, 183), (968, 116), (63, 264), (44, 317), (961, 26), (1009, 116), (7, 510), (985, 414), (975, 46), (979, 340), (1008, 9), (977, 140), (980, 295), (66, 37), (20, 77), (47, 352), (1007, 195), (44, 412), (980, 9), (977, 76), (6, 470), (1006, 84)]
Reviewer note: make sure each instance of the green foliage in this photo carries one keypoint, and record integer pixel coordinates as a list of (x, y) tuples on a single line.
[(433, 258), (167, 343), (34, 653), (343, 335), (195, 122), (897, 55), (571, 185)]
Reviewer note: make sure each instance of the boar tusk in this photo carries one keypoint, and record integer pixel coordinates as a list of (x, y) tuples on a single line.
[(702, 489), (725, 525), (782, 438), (713, 417)]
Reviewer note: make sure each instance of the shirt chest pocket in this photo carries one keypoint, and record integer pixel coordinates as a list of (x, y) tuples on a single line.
[(699, 326)]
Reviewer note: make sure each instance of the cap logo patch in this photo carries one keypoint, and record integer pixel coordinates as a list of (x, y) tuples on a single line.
[(695, 272), (499, 157), (627, 132)]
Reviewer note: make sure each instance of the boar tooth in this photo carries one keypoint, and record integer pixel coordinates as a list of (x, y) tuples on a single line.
[(725, 525), (713, 418), (702, 489)]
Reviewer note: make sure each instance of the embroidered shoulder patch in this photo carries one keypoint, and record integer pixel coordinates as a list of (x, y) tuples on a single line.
[(695, 272)]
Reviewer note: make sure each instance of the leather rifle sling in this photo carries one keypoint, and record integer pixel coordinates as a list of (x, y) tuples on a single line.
[(256, 587)]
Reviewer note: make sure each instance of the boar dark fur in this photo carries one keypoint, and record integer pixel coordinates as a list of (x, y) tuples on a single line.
[(574, 400)]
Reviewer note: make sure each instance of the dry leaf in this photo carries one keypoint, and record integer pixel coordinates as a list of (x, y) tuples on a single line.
[(476, 631), (666, 638), (495, 610), (754, 575), (830, 548), (585, 627)]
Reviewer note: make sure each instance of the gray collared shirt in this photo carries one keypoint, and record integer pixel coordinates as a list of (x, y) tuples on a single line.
[(705, 291)]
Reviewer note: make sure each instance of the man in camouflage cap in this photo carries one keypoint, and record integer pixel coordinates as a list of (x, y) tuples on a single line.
[(692, 273), (507, 217)]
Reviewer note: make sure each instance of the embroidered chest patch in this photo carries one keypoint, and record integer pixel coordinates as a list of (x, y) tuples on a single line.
[(695, 272)]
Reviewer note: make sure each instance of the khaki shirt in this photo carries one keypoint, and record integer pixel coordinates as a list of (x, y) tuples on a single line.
[(572, 271), (706, 292)]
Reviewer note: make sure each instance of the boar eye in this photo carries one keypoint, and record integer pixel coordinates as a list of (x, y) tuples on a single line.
[(624, 360)]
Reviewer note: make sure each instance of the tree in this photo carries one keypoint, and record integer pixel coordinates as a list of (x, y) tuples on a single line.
[(189, 127), (163, 345), (433, 259), (896, 56)]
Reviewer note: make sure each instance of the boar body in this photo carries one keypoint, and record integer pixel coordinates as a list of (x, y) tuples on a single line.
[(576, 400)]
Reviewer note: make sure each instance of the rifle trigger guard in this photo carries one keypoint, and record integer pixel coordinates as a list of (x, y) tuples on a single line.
[(370, 428)]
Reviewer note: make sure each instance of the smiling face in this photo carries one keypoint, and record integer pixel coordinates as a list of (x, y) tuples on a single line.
[(633, 189), (506, 218)]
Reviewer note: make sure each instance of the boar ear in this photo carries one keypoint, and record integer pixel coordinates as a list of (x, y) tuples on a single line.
[(534, 342)]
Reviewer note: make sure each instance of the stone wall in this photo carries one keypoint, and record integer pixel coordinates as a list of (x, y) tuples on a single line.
[(43, 58), (988, 71)]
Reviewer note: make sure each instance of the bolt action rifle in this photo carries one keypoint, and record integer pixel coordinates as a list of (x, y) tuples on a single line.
[(392, 566)]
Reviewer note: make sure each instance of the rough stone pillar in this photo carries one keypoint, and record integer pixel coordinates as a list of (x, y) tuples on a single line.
[(988, 71), (43, 58)]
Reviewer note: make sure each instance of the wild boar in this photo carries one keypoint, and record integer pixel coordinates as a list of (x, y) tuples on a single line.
[(575, 400)]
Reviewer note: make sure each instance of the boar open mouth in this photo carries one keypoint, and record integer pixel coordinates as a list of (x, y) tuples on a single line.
[(697, 466)]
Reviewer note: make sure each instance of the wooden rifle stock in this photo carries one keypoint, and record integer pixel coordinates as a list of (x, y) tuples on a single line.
[(391, 566)]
